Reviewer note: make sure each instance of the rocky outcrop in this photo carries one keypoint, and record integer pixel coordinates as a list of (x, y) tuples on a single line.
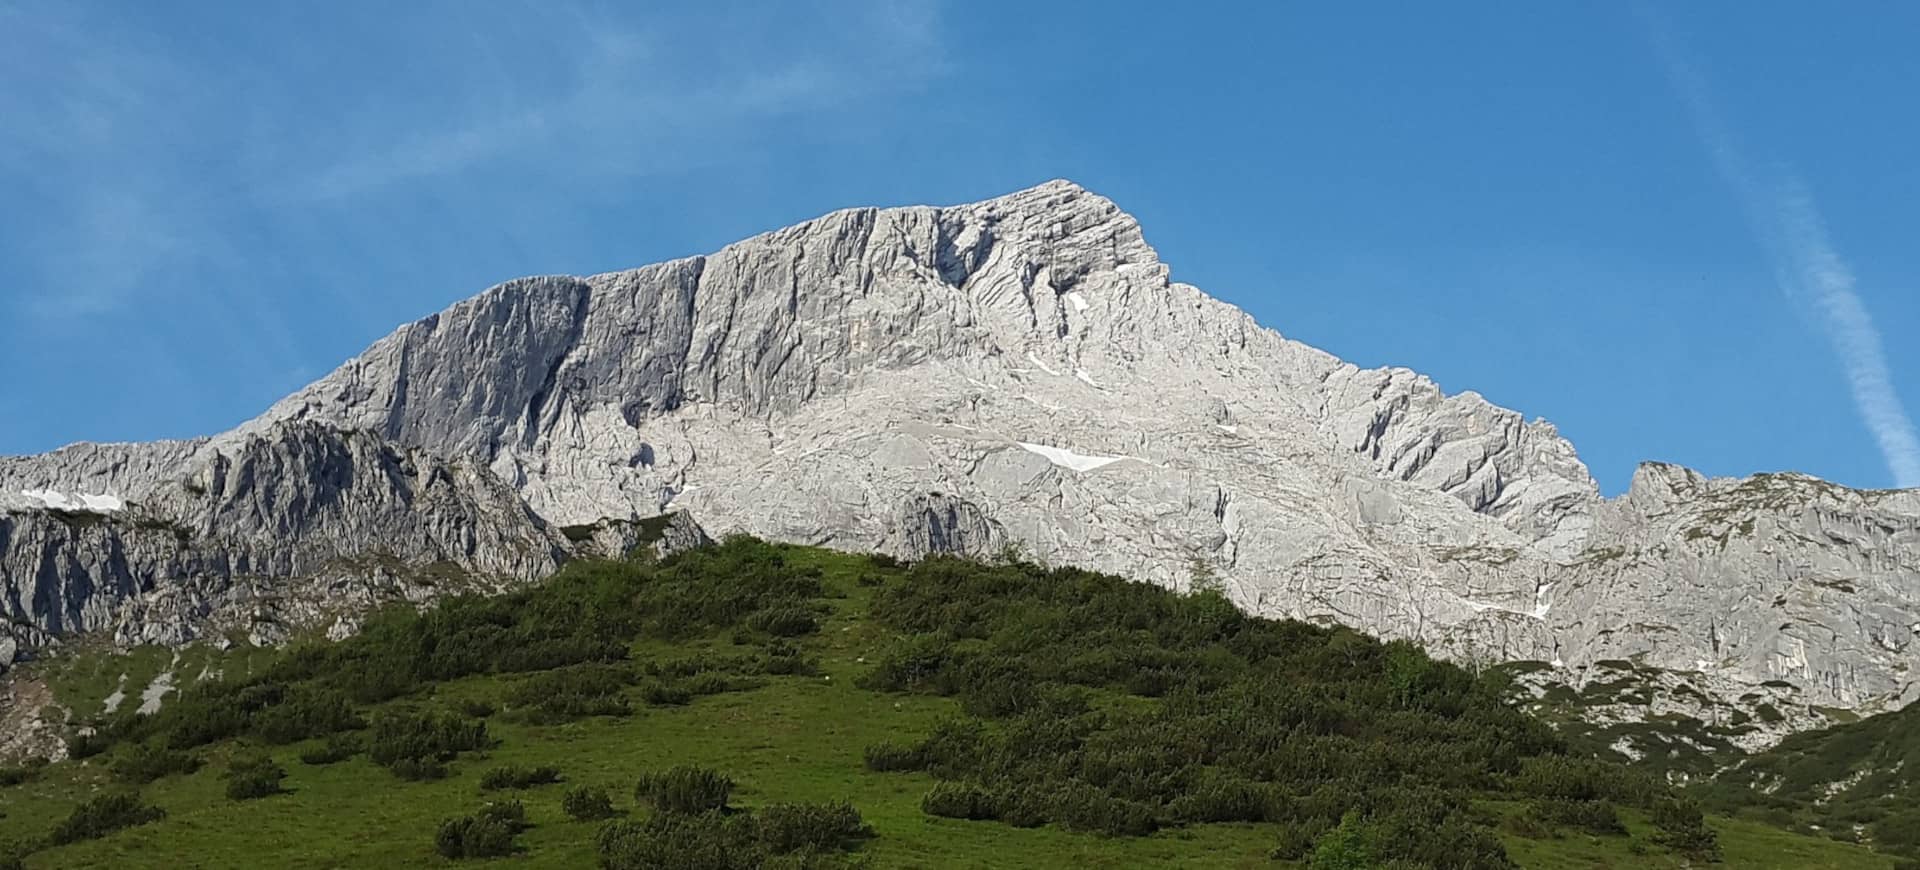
[(653, 537), (1024, 372), (290, 527)]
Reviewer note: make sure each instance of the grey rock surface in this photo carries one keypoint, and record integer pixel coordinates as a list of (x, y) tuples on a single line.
[(265, 534), (1024, 372)]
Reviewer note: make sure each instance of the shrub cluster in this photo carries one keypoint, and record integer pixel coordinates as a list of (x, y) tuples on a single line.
[(1318, 730), (255, 776), (1588, 816), (573, 692), (337, 748), (102, 815), (488, 833), (26, 771), (684, 790), (587, 803), (414, 745), (1683, 828), (586, 615), (509, 776), (802, 835), (143, 763)]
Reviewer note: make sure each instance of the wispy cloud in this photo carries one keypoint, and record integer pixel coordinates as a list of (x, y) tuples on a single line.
[(631, 100), (151, 161), (1807, 264)]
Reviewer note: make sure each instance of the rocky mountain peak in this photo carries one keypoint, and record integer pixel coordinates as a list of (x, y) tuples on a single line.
[(1023, 371)]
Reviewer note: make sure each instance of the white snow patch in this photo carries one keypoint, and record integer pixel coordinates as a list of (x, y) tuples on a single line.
[(1079, 301), (119, 694), (1539, 611), (76, 501), (1068, 459), (1043, 366), (155, 692), (1045, 405), (1086, 378), (1558, 663), (1230, 430)]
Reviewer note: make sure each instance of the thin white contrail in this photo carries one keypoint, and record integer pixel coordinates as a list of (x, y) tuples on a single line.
[(1808, 267)]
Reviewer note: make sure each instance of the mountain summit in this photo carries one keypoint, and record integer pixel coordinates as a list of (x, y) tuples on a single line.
[(1018, 373)]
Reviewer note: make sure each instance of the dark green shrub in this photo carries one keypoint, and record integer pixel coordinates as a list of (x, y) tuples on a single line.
[(1346, 847), (1296, 839), (705, 841), (251, 777), (1583, 779), (913, 665), (338, 747), (306, 711), (486, 834), (422, 737), (88, 745), (958, 800), (1082, 807), (476, 709), (783, 658), (661, 694), (574, 692), (418, 769), (143, 763), (819, 827), (784, 621), (1221, 800), (103, 815), (587, 803), (509, 776), (11, 776), (684, 790), (887, 757), (1682, 828), (1593, 817)]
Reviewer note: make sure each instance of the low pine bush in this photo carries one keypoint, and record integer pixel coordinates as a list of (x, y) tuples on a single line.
[(103, 815), (424, 739), (509, 776), (337, 748), (958, 800), (143, 763), (1593, 817), (251, 777), (888, 757), (786, 828), (488, 833), (587, 803), (684, 790)]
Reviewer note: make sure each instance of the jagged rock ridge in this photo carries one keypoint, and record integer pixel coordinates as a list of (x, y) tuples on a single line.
[(1024, 371)]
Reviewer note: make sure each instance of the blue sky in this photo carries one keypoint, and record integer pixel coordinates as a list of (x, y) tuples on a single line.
[(1685, 233)]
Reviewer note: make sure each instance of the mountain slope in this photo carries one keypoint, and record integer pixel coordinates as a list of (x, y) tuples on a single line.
[(1075, 764), (1024, 372)]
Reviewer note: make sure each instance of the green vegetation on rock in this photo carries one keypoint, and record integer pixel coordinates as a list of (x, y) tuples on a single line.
[(940, 714)]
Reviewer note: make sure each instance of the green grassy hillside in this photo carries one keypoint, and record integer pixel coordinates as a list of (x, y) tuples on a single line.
[(757, 705), (1859, 781)]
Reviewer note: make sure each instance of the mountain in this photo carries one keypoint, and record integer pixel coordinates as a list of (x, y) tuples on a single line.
[(1020, 373)]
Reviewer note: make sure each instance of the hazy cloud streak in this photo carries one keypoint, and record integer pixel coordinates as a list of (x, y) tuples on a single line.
[(1807, 266)]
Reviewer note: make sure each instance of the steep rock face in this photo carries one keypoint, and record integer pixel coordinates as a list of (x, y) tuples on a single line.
[(1777, 577), (268, 533), (1023, 371)]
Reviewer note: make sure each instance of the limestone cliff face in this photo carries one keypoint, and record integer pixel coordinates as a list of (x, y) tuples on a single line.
[(1024, 371), (282, 529)]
